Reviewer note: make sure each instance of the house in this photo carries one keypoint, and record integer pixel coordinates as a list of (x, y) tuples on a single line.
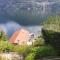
[(21, 37)]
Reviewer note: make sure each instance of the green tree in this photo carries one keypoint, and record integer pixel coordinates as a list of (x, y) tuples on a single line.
[(3, 36)]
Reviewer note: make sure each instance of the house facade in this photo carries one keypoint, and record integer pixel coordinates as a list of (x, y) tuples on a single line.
[(21, 37)]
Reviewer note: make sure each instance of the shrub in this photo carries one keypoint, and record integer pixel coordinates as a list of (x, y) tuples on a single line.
[(9, 47), (52, 20), (21, 49), (30, 56), (3, 36), (39, 41), (27, 51), (44, 51), (40, 52), (5, 46)]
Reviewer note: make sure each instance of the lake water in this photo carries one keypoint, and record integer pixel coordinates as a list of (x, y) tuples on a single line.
[(16, 14)]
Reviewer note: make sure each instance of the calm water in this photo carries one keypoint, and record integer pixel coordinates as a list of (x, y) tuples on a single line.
[(27, 13)]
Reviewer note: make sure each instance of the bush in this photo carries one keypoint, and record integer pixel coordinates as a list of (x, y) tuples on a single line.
[(39, 41), (9, 47), (44, 51), (3, 36), (21, 49), (30, 56), (40, 52), (5, 46)]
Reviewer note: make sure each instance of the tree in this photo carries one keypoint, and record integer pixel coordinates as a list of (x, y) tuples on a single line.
[(3, 36)]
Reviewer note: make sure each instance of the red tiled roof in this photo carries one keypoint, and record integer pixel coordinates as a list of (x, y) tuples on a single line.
[(22, 35), (13, 38)]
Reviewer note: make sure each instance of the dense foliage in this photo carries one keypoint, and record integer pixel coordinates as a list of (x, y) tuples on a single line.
[(39, 41), (5, 46), (30, 56), (52, 23), (3, 36), (44, 51), (51, 32), (40, 52), (21, 49)]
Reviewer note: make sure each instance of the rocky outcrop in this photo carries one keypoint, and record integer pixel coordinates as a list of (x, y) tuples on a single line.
[(10, 56)]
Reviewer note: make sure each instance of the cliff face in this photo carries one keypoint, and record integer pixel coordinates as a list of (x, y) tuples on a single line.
[(28, 10), (12, 7)]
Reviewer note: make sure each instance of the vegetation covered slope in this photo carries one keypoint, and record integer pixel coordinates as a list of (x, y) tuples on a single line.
[(52, 23), (51, 32)]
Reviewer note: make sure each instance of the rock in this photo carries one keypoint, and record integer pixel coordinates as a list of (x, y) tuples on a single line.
[(10, 56)]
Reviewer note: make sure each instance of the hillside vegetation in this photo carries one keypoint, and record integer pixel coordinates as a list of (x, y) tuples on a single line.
[(52, 23), (51, 32)]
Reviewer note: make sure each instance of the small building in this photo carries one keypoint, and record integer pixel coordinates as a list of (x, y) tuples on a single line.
[(21, 37)]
